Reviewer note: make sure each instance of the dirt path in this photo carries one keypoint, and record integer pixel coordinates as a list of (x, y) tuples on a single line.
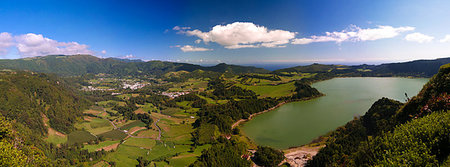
[(159, 129)]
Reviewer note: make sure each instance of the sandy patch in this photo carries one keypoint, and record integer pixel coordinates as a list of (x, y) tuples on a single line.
[(109, 148)]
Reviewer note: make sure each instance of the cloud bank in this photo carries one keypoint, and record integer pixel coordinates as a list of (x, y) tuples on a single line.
[(6, 41), (243, 35), (31, 45), (189, 48), (354, 34), (249, 35), (418, 37), (445, 39)]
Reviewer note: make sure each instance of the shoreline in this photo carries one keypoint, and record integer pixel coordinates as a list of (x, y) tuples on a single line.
[(239, 122)]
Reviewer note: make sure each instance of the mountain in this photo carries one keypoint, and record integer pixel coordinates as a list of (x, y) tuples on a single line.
[(396, 134), (417, 68), (82, 64), (424, 67), (28, 97), (313, 68), (236, 69)]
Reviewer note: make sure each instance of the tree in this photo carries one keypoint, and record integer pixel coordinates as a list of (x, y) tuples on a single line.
[(268, 157)]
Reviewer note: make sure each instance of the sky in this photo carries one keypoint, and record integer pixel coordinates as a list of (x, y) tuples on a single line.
[(235, 32)]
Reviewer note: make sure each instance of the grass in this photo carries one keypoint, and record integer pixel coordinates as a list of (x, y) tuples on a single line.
[(148, 133), (170, 111), (167, 150), (56, 139), (140, 142), (183, 160), (126, 155), (133, 124), (271, 90), (114, 135), (93, 148), (95, 126), (179, 133), (79, 137)]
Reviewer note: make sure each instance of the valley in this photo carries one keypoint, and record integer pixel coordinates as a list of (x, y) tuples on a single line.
[(197, 116)]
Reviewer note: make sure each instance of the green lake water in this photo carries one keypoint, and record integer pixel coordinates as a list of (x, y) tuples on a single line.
[(298, 123)]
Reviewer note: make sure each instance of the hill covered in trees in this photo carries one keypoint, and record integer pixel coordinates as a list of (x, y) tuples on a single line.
[(417, 68), (393, 134), (68, 65)]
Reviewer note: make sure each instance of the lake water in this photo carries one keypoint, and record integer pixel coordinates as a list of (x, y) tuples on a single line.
[(298, 123)]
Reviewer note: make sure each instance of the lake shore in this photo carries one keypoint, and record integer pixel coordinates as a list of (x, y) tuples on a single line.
[(237, 123)]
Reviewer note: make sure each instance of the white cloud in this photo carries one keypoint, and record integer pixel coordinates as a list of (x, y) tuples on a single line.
[(30, 45), (418, 37), (128, 56), (243, 35), (354, 33), (103, 52), (198, 41), (6, 41), (189, 48), (177, 28), (445, 39)]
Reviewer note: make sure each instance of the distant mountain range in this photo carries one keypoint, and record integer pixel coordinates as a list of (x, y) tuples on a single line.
[(81, 64), (420, 68)]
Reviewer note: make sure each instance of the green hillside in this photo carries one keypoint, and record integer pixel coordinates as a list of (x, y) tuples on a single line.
[(395, 134), (68, 65)]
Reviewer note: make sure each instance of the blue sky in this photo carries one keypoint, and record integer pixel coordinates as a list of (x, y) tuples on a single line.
[(237, 32)]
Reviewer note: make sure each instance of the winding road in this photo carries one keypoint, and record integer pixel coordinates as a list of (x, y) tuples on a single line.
[(159, 129)]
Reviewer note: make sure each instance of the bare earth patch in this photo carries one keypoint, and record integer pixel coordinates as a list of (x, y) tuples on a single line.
[(88, 118), (297, 157), (139, 111), (53, 131), (50, 130), (135, 129), (95, 112), (109, 148)]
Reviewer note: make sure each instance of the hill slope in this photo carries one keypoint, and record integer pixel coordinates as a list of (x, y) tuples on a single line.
[(82, 64), (417, 68)]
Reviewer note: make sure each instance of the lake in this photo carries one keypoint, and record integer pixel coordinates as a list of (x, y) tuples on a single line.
[(298, 123)]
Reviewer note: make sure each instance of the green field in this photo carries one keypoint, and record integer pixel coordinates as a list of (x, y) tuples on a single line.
[(114, 135), (55, 139), (79, 137), (93, 148), (170, 111), (178, 133), (95, 126), (140, 142), (126, 155), (271, 90), (133, 124)]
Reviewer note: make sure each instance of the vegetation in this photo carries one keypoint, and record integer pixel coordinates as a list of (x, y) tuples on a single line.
[(195, 107), (393, 134), (269, 157), (226, 153)]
